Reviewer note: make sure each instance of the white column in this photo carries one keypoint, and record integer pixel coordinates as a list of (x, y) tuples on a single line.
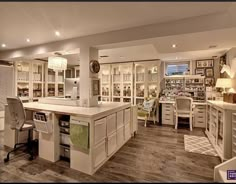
[(86, 55)]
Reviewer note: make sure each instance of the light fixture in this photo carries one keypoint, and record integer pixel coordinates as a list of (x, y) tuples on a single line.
[(224, 83), (173, 45), (28, 40), (57, 63), (3, 45), (57, 33)]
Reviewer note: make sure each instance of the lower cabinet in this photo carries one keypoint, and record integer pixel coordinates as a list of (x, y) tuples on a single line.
[(100, 153), (167, 114), (111, 144), (127, 132), (120, 136)]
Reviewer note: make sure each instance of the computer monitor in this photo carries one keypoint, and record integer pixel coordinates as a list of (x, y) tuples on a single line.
[(69, 84)]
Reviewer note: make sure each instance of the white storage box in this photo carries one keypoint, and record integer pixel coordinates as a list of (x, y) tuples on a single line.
[(120, 136), (111, 124), (120, 119), (111, 144), (99, 153), (127, 116), (64, 139), (99, 130)]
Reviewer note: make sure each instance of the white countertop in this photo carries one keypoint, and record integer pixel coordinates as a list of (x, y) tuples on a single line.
[(223, 105), (172, 102), (78, 111)]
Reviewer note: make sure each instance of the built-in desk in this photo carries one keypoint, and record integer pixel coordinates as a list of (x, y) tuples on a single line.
[(110, 127), (168, 113)]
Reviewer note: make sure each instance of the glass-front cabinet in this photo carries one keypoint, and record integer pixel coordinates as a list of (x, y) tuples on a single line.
[(29, 79), (105, 78)]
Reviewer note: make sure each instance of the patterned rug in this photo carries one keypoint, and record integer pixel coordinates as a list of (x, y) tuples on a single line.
[(198, 144)]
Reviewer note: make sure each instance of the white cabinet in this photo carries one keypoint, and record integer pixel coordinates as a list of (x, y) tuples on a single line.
[(234, 135), (127, 116), (100, 153), (219, 129), (146, 80), (200, 116), (120, 136), (111, 124), (111, 143), (167, 114), (100, 130), (29, 79), (127, 131), (120, 119), (54, 82)]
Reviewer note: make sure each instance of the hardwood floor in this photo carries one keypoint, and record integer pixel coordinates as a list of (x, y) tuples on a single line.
[(155, 154)]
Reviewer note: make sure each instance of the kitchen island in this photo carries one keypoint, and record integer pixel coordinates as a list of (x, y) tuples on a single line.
[(105, 129)]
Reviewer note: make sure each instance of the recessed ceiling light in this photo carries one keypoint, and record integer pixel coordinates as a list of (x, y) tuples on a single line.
[(173, 45), (28, 40), (57, 33), (3, 45)]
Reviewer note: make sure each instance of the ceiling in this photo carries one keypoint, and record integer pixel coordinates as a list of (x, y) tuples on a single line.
[(39, 20)]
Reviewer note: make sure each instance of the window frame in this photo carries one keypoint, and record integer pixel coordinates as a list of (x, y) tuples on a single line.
[(177, 63)]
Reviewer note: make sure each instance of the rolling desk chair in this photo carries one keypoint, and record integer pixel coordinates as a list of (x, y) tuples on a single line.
[(19, 123), (183, 107)]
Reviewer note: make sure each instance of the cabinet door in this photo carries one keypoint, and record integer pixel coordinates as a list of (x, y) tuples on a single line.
[(99, 130), (111, 124)]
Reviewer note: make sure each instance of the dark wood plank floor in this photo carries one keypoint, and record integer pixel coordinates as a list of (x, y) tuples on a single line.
[(155, 154)]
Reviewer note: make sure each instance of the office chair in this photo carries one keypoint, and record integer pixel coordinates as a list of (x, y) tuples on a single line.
[(183, 107), (19, 123)]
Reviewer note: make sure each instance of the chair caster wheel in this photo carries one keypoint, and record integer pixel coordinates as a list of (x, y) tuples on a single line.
[(31, 158), (6, 160)]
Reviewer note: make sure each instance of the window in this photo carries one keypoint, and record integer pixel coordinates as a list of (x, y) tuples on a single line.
[(177, 68)]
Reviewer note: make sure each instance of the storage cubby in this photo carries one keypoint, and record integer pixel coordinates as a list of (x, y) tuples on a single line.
[(64, 125)]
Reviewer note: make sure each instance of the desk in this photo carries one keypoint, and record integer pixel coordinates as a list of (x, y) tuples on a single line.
[(119, 116), (199, 113)]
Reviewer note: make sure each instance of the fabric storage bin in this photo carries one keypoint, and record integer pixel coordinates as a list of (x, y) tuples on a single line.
[(111, 144), (111, 124), (120, 136), (99, 153), (120, 119), (127, 131), (65, 152), (127, 116), (99, 130), (65, 139)]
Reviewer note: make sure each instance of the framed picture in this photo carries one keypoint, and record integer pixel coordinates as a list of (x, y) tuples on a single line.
[(210, 81), (209, 72), (204, 63), (200, 71)]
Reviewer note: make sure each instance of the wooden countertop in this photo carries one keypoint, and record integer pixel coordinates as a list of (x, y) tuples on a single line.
[(88, 112)]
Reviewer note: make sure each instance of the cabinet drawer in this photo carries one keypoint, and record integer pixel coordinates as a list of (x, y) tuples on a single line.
[(111, 124), (99, 153), (127, 116), (99, 130), (120, 136), (120, 119), (111, 144), (127, 132), (167, 121)]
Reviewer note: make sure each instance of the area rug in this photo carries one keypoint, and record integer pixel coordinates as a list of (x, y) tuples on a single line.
[(197, 144)]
